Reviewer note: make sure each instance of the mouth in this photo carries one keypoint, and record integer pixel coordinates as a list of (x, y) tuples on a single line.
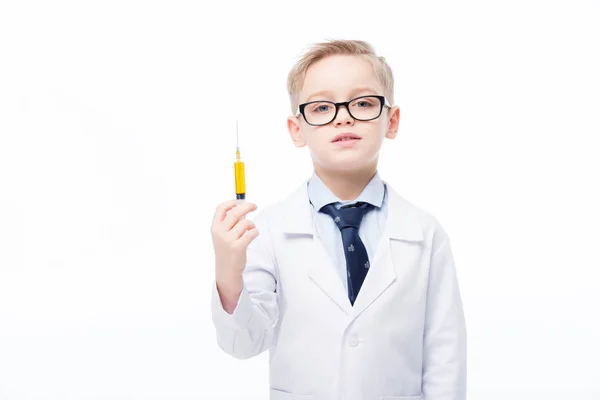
[(345, 137)]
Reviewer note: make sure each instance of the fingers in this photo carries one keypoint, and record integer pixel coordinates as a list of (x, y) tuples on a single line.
[(222, 210), (236, 213), (241, 227), (248, 237)]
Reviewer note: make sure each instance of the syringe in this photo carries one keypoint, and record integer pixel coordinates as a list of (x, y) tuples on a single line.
[(238, 166)]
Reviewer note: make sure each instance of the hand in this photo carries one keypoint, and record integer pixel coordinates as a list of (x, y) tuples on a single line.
[(231, 235)]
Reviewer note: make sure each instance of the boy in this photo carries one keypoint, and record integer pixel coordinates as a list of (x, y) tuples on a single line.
[(351, 288)]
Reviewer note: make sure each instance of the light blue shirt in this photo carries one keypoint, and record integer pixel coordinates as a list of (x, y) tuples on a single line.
[(370, 229)]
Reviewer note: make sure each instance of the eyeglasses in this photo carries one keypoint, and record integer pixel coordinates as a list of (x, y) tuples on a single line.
[(363, 108)]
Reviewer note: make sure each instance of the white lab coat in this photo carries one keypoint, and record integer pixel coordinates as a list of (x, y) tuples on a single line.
[(404, 338)]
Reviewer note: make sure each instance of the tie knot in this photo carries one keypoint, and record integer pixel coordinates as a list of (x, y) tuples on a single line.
[(347, 216)]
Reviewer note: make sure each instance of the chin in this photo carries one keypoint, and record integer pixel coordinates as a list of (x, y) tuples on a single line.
[(350, 161), (349, 164)]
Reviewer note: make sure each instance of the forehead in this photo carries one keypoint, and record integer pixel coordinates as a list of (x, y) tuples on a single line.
[(339, 78)]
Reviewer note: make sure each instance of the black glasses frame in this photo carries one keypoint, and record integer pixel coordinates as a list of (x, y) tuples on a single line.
[(382, 103)]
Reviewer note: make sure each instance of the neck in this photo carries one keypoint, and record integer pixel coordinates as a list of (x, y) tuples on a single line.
[(346, 185)]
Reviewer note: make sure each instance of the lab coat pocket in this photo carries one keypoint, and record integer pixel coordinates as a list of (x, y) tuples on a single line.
[(281, 395)]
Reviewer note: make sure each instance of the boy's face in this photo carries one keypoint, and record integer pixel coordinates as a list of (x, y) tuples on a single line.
[(338, 79)]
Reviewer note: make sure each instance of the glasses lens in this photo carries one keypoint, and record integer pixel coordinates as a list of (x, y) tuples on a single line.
[(319, 113), (365, 108)]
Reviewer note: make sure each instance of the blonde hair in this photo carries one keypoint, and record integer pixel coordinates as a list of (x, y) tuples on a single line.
[(319, 51)]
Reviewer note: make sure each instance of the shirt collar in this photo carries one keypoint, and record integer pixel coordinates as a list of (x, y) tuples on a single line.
[(320, 195)]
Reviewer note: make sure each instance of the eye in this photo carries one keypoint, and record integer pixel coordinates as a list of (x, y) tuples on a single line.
[(321, 107), (364, 103)]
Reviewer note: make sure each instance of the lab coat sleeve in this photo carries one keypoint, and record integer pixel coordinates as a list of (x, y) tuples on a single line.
[(248, 331), (444, 347)]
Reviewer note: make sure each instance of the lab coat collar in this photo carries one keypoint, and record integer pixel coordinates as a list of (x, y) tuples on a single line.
[(402, 218), (402, 224)]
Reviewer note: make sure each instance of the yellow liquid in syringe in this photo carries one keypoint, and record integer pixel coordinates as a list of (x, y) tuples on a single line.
[(240, 179), (238, 167)]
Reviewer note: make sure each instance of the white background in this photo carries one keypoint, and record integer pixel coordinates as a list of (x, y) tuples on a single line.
[(117, 124)]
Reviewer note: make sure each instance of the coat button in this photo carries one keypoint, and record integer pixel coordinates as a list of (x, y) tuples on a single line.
[(354, 342)]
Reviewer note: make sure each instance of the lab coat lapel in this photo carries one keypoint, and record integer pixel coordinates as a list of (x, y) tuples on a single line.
[(402, 225), (326, 277), (299, 225)]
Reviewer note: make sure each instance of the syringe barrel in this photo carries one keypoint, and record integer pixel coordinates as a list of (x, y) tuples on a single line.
[(240, 178)]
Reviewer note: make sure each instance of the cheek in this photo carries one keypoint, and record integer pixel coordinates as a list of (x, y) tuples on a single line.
[(376, 133), (314, 138)]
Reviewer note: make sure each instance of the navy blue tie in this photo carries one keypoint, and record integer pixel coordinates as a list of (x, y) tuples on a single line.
[(348, 219)]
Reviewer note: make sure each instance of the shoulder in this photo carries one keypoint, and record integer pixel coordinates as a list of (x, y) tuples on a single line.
[(286, 212)]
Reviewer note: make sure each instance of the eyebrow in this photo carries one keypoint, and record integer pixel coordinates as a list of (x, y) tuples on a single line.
[(352, 92)]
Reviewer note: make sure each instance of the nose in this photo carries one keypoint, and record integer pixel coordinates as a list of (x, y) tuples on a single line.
[(343, 117)]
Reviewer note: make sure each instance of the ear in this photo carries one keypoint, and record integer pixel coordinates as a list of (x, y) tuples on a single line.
[(293, 125), (394, 122)]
